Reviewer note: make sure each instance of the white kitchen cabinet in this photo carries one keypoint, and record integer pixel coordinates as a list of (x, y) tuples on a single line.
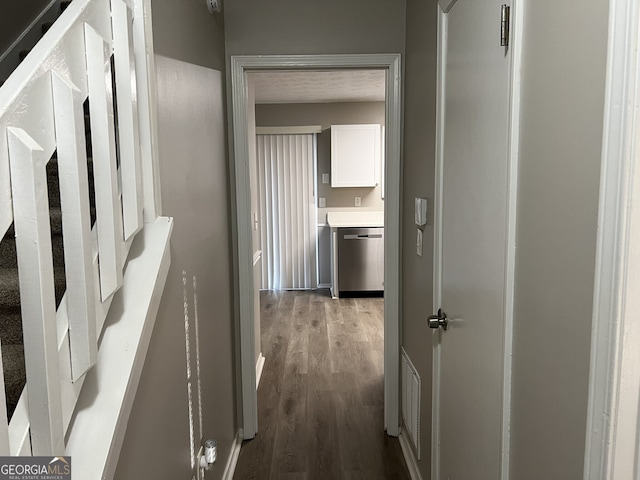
[(355, 155)]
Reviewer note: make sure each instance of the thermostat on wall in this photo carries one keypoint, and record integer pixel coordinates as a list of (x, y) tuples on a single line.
[(213, 6), (421, 211)]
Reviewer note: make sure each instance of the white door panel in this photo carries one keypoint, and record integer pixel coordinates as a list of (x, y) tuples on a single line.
[(474, 198)]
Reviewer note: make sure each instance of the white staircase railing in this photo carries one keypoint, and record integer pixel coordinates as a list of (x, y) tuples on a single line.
[(41, 112)]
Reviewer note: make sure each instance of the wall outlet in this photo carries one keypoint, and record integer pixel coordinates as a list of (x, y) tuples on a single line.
[(325, 178), (322, 202), (358, 201)]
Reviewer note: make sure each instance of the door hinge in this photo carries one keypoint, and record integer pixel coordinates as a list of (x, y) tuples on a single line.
[(504, 26)]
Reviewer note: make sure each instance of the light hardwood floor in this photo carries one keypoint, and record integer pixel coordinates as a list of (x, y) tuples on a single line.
[(320, 400)]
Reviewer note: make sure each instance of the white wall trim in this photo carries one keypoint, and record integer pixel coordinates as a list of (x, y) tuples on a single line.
[(240, 65), (437, 241), (232, 460), (324, 285), (301, 130), (514, 129), (612, 437), (516, 47), (409, 456), (259, 367), (129, 323)]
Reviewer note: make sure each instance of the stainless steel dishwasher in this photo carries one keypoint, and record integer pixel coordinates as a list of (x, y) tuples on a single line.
[(360, 260)]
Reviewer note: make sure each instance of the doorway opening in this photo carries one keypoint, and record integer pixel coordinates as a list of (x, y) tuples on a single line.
[(247, 291)]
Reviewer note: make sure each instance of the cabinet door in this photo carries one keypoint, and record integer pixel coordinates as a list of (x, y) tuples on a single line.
[(355, 152)]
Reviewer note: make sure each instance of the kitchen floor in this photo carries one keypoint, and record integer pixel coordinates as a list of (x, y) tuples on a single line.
[(320, 400)]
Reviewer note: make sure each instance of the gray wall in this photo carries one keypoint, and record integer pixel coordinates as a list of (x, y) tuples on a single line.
[(308, 27), (195, 191), (418, 181), (184, 30), (562, 108), (326, 114), (16, 17)]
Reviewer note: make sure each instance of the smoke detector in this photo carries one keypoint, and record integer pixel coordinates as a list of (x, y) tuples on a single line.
[(213, 6)]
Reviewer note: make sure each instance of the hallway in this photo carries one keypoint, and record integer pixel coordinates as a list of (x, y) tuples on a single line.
[(320, 400)]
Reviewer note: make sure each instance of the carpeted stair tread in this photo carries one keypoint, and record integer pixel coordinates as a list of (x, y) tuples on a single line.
[(11, 328), (14, 374), (9, 259), (53, 181), (55, 214), (10, 291), (9, 288)]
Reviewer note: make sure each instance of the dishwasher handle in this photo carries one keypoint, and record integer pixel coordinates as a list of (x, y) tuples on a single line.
[(362, 236)]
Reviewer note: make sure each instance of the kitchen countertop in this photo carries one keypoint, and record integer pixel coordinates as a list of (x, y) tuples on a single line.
[(355, 219)]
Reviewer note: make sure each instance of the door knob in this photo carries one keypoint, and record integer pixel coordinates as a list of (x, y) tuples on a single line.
[(439, 320)]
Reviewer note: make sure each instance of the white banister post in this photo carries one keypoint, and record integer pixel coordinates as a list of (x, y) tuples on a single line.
[(128, 133), (108, 206), (147, 100), (76, 221), (37, 298)]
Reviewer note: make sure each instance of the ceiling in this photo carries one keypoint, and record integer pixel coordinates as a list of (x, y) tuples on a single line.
[(319, 86)]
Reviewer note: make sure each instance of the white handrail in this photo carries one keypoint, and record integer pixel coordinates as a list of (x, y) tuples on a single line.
[(41, 111)]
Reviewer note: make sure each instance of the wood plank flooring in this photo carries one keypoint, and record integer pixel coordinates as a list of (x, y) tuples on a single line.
[(320, 400)]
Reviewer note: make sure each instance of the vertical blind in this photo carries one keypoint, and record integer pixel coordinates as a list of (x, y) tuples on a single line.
[(288, 230)]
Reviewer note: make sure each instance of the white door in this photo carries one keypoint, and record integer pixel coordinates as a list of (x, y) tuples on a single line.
[(474, 280)]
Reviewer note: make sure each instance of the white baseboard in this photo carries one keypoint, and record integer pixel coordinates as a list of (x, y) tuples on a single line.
[(409, 456), (259, 367), (230, 469), (324, 285)]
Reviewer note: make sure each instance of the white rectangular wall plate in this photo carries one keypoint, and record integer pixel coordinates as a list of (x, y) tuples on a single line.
[(322, 202), (421, 211), (325, 178), (419, 243)]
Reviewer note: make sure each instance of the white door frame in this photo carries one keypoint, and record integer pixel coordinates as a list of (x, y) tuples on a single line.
[(240, 65), (613, 422), (517, 20)]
